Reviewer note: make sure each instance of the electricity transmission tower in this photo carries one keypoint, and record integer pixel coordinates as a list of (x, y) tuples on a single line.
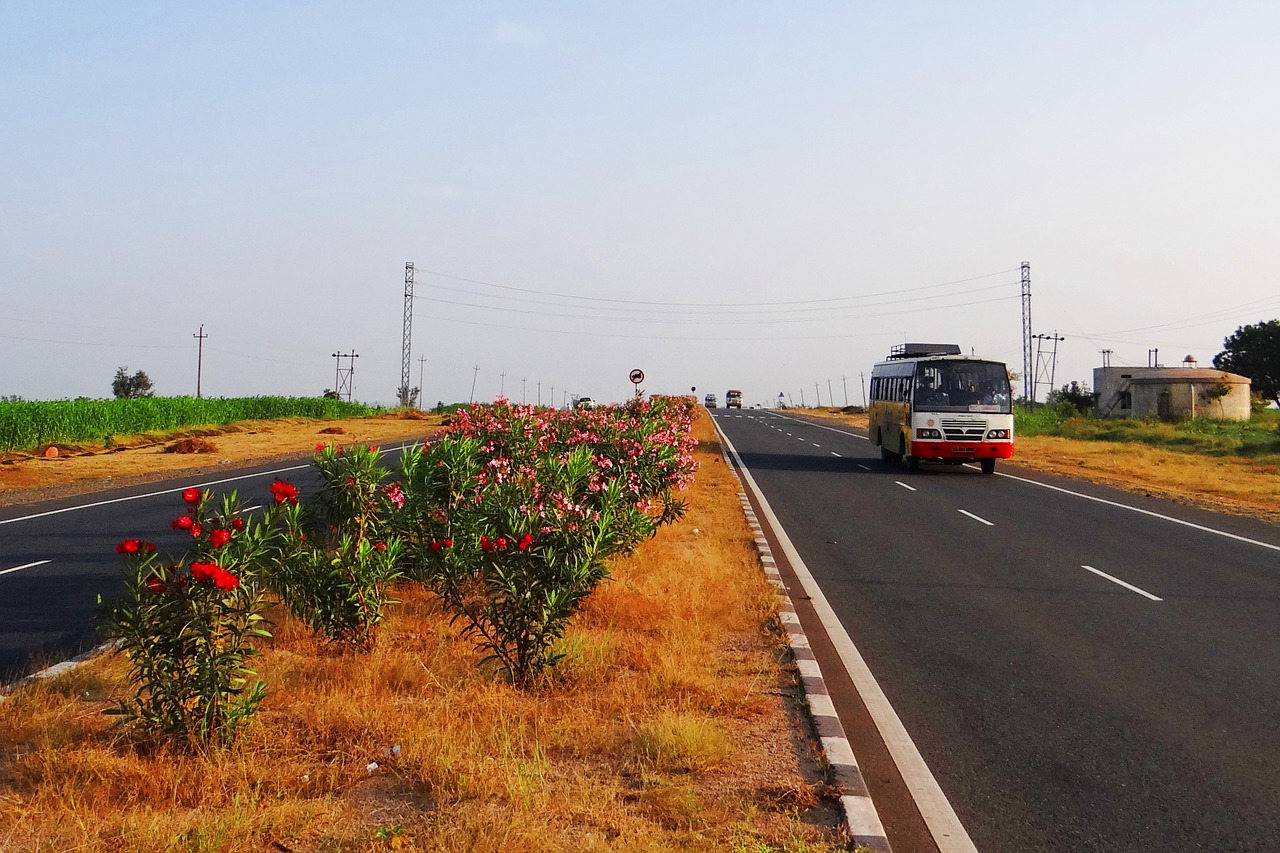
[(1046, 363), (406, 394), (1028, 366), (345, 379)]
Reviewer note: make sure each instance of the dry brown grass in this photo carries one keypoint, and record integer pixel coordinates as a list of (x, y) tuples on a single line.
[(666, 728)]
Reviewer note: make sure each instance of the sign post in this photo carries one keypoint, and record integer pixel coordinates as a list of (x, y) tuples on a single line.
[(637, 376)]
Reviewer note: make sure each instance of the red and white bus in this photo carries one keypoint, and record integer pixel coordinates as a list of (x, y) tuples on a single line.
[(930, 402)]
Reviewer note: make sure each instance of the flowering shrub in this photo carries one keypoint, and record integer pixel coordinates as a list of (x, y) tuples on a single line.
[(338, 565), (510, 514), (187, 626)]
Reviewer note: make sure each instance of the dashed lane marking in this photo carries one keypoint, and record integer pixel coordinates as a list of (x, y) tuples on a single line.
[(1127, 586), (976, 517), (25, 566)]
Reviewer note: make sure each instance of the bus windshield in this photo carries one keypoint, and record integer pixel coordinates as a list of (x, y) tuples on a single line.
[(961, 386)]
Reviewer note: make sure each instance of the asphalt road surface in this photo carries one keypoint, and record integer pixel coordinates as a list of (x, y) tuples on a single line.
[(56, 558), (1081, 669)]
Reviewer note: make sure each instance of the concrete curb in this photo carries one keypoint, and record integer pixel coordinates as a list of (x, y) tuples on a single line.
[(56, 669), (861, 819)]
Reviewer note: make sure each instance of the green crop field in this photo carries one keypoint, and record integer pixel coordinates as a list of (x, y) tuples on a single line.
[(26, 425)]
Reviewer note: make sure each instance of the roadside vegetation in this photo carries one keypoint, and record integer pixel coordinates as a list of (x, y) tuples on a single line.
[(656, 719), (1257, 438), (28, 424)]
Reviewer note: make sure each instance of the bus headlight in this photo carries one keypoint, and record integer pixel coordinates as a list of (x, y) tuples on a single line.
[(923, 432), (998, 433)]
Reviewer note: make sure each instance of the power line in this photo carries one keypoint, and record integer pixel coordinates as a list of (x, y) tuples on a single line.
[(764, 319), (718, 311), (713, 304)]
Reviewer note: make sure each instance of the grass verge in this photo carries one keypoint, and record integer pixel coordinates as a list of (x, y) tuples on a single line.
[(667, 727)]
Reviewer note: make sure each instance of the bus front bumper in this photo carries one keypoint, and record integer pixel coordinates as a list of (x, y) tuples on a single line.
[(962, 449)]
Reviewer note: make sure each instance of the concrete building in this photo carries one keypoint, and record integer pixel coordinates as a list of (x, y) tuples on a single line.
[(1171, 393)]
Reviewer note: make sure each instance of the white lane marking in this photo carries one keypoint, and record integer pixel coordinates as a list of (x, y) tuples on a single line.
[(788, 433), (948, 833), (25, 566), (975, 517), (905, 486), (817, 445), (830, 429), (249, 509), (1141, 511), (1128, 586), (833, 453), (173, 491), (863, 467)]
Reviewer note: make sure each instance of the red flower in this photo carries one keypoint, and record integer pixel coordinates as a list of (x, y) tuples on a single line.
[(373, 448), (319, 446), (134, 546), (283, 491), (156, 585), (219, 537), (191, 495), (183, 522), (237, 523), (196, 530), (485, 544), (381, 546), (441, 543), (525, 541), (223, 579), (502, 543), (205, 571)]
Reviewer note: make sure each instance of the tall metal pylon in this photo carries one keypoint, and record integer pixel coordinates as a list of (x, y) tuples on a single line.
[(1028, 363), (406, 393), (1046, 365)]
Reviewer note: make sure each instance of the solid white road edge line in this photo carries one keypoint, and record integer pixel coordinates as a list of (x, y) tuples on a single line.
[(948, 833), (975, 517), (25, 566), (905, 486), (1128, 586), (1141, 511)]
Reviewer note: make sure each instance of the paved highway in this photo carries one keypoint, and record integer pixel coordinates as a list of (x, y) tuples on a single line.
[(1081, 669), (57, 557)]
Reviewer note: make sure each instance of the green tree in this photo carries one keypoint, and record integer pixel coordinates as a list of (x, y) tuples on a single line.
[(126, 387), (1254, 351), (1075, 396)]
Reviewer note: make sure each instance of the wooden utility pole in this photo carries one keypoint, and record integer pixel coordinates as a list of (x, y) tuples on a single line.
[(199, 357)]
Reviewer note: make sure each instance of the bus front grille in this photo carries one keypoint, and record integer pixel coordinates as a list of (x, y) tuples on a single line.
[(958, 429)]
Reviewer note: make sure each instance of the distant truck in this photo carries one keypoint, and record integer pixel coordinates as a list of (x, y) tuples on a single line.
[(710, 401), (733, 399)]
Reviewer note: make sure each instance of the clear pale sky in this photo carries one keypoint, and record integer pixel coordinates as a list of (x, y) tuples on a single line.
[(772, 193)]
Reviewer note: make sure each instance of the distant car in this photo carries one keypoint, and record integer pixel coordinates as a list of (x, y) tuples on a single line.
[(710, 400), (733, 399), (585, 403)]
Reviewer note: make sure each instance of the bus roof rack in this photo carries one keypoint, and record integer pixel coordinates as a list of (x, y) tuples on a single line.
[(917, 350)]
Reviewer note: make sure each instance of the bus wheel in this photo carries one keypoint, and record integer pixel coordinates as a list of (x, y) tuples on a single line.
[(913, 463), (988, 465)]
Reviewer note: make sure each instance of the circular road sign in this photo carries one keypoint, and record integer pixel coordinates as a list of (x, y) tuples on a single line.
[(637, 376)]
